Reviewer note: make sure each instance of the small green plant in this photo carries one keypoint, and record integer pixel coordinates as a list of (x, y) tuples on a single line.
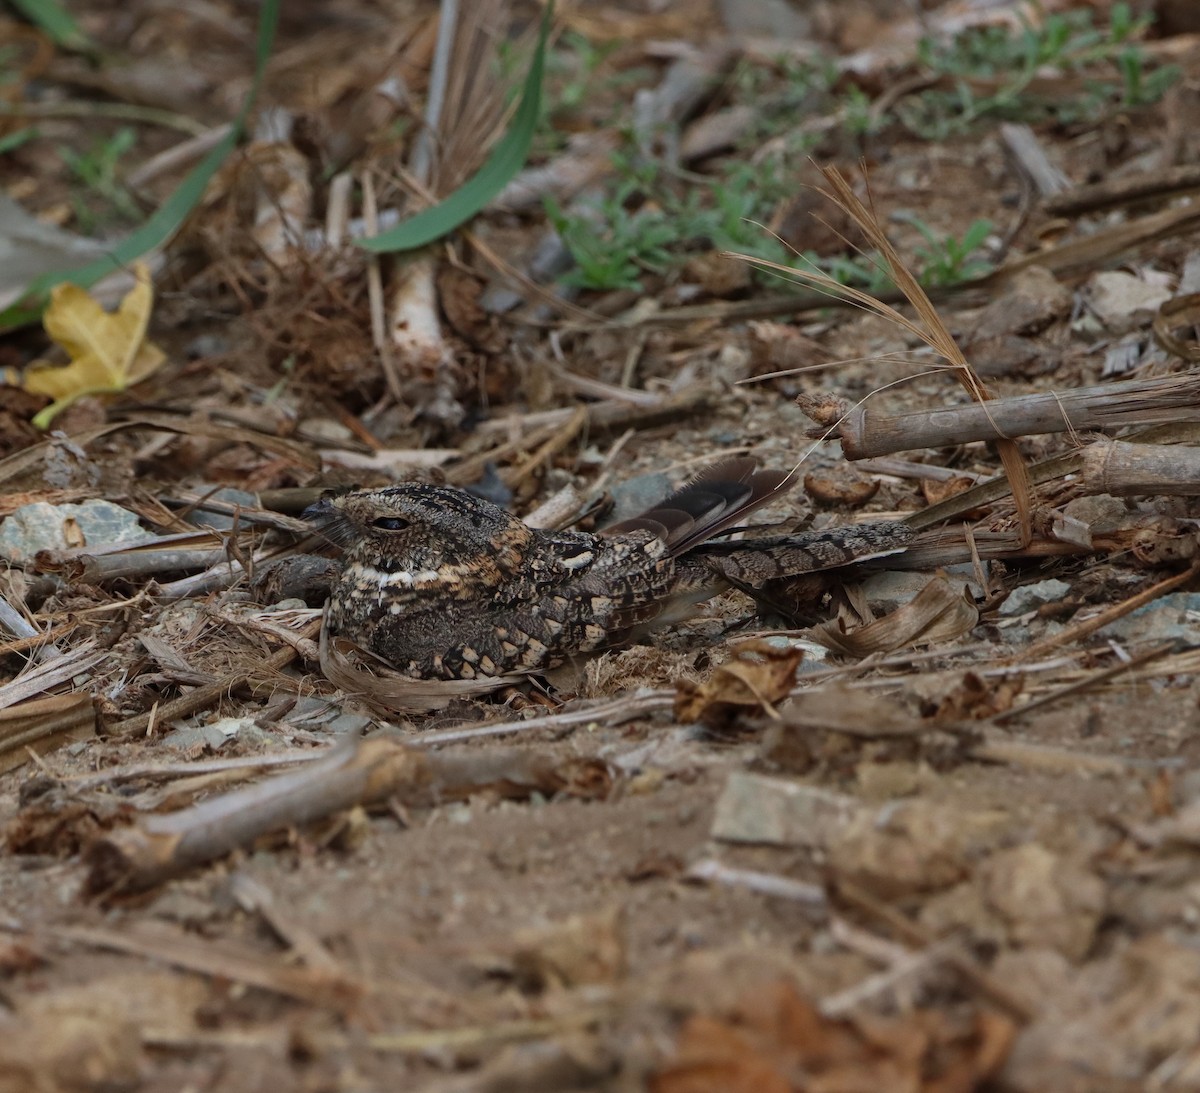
[(945, 260), (97, 170), (1008, 65), (1142, 86), (646, 225)]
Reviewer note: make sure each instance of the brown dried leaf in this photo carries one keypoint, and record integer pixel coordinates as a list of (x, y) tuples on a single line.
[(935, 491), (756, 676), (940, 612), (976, 699), (776, 1040), (840, 486)]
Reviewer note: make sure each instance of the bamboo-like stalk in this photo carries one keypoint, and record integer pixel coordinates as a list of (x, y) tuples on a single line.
[(1117, 467), (865, 433)]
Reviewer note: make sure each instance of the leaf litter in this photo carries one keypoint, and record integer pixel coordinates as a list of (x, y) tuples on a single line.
[(929, 825)]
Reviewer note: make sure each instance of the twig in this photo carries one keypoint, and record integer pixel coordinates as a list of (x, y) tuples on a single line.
[(44, 725), (92, 108), (1125, 190), (53, 673), (1087, 683), (1079, 630), (360, 773), (1027, 150), (610, 415), (911, 964), (711, 871), (1044, 757)]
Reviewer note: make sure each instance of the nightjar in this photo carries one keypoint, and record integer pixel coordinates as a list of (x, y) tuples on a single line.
[(443, 585)]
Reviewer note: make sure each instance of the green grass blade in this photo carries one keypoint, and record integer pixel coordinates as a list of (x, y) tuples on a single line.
[(52, 18), (166, 219), (505, 161)]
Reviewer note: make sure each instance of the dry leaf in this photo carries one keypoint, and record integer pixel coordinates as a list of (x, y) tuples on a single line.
[(108, 351), (757, 676), (938, 613), (778, 1040)]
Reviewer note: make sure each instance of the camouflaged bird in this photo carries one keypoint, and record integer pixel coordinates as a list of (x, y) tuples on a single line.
[(443, 585)]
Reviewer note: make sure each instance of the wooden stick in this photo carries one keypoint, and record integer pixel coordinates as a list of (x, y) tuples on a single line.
[(363, 772), (1117, 467), (864, 432), (1124, 191)]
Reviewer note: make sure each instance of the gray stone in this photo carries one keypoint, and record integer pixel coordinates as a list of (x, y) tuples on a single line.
[(347, 723), (41, 526), (636, 495), (1175, 617), (1032, 596)]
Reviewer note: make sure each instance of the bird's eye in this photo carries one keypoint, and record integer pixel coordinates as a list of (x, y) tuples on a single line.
[(390, 523)]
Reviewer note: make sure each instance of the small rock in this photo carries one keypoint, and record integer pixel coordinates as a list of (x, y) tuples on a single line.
[(636, 495), (348, 723), (754, 808), (1172, 617), (42, 526), (1125, 301), (1032, 596), (1035, 299)]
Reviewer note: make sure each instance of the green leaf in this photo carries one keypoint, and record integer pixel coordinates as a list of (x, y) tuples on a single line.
[(167, 218), (52, 18), (505, 161)]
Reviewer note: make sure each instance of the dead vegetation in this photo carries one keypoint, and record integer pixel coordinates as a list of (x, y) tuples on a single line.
[(930, 825)]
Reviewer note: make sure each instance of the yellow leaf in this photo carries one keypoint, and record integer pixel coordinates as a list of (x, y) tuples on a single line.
[(108, 351)]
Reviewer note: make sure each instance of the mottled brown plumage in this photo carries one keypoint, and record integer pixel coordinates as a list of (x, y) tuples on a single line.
[(444, 585)]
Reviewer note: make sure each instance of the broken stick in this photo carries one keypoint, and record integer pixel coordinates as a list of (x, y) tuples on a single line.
[(361, 773)]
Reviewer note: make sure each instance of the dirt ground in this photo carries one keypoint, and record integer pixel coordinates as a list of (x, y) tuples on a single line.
[(929, 822)]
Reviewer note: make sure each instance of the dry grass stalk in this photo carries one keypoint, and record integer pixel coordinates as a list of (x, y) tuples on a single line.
[(222, 960), (928, 327)]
